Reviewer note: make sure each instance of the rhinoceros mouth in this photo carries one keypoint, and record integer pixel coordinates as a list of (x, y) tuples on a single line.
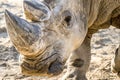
[(49, 66)]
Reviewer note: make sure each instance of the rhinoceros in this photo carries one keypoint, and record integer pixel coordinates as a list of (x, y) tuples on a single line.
[(58, 32)]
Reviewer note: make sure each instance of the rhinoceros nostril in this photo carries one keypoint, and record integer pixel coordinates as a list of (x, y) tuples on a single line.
[(55, 67)]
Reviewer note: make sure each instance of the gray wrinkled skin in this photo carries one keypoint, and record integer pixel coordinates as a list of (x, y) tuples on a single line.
[(56, 31)]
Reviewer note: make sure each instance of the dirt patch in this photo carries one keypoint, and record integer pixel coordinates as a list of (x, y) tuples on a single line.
[(104, 44)]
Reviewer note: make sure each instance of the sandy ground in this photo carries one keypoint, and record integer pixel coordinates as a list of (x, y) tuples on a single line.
[(103, 46)]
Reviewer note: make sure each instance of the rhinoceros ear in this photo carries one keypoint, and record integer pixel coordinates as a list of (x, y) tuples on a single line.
[(36, 10)]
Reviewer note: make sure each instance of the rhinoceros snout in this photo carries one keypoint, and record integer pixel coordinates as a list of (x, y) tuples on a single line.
[(41, 69)]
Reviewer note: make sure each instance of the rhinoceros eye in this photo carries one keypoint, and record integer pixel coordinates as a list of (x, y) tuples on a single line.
[(67, 20), (67, 17)]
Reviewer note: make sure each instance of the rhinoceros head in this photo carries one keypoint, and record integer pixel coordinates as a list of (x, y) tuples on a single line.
[(48, 38)]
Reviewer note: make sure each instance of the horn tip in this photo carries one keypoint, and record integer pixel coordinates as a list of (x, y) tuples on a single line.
[(7, 13)]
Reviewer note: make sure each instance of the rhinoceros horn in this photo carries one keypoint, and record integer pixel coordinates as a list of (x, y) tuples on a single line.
[(22, 33), (36, 10)]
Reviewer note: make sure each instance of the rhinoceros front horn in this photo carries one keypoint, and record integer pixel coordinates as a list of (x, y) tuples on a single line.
[(36, 10), (22, 33)]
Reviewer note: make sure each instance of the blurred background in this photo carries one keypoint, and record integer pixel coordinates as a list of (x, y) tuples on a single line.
[(104, 44)]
